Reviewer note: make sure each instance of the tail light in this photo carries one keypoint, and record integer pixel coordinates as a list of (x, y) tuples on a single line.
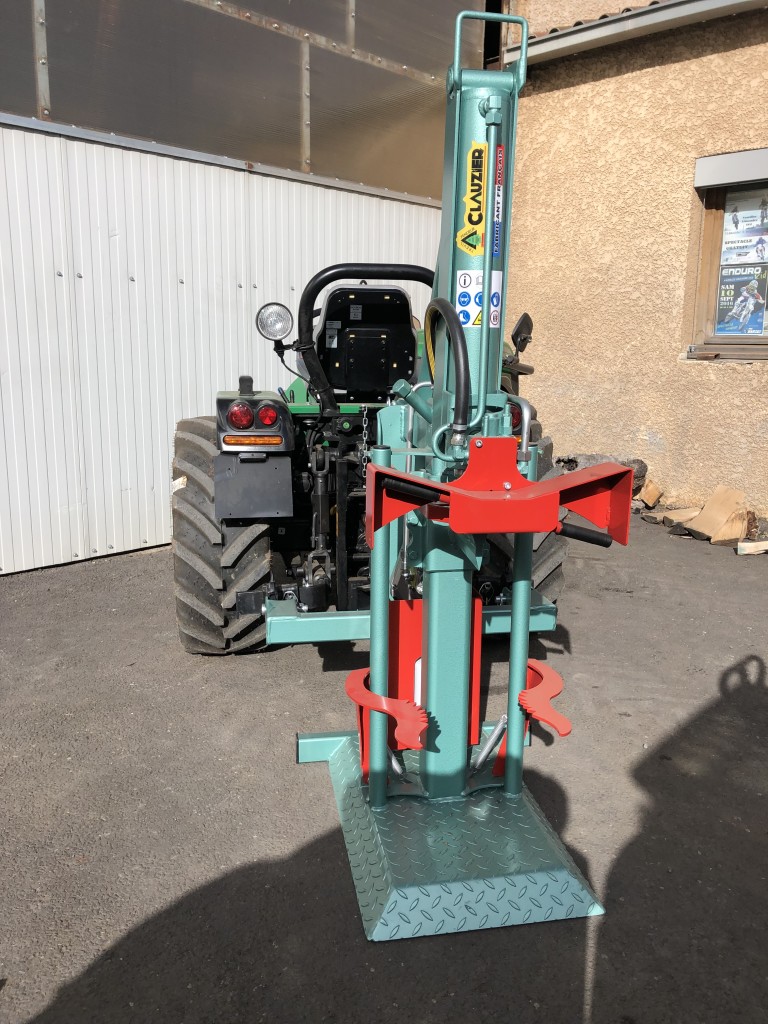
[(517, 415), (267, 415), (240, 416)]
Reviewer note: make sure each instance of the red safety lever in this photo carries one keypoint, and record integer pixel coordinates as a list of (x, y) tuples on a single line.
[(492, 496)]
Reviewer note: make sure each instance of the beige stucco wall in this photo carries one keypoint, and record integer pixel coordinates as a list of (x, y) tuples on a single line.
[(543, 15), (605, 238)]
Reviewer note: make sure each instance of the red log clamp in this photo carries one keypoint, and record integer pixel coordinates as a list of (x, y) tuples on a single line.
[(536, 699), (410, 718), (542, 685), (492, 496)]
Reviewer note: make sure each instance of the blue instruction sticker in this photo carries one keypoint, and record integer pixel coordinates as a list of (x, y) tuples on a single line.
[(470, 290)]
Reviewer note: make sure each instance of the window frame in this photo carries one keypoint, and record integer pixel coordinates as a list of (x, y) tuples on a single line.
[(706, 344)]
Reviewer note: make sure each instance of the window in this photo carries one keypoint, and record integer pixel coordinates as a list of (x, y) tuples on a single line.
[(731, 315)]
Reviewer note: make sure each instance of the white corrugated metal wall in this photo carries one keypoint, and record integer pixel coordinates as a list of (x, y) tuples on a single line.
[(129, 284)]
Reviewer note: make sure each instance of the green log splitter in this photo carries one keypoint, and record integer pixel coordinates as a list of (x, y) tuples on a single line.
[(441, 833)]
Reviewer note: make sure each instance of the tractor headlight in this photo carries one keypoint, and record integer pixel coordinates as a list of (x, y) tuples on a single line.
[(274, 321)]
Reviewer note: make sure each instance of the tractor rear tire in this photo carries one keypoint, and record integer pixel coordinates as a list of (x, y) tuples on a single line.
[(213, 562), (549, 549)]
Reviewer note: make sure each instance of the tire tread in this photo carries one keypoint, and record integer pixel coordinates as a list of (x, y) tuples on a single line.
[(213, 561)]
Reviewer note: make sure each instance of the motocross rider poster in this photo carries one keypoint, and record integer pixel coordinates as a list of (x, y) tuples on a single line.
[(745, 227), (741, 299)]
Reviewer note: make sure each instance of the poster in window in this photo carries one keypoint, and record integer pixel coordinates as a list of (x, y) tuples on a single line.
[(745, 226), (741, 299)]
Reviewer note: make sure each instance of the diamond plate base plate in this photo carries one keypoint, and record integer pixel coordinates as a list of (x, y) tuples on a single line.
[(425, 867)]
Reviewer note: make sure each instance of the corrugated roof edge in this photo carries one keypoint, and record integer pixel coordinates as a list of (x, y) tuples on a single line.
[(631, 23)]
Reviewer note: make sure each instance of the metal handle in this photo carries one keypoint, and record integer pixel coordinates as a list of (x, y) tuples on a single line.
[(490, 744), (601, 540), (525, 425), (507, 19)]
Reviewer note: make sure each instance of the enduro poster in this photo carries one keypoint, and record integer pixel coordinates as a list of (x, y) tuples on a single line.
[(741, 299), (745, 227)]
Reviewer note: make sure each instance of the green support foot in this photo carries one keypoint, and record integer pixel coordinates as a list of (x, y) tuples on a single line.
[(424, 867)]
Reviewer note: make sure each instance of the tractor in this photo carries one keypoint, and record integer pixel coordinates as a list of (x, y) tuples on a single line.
[(269, 494)]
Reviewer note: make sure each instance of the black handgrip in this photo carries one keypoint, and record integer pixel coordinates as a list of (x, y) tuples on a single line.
[(602, 540)]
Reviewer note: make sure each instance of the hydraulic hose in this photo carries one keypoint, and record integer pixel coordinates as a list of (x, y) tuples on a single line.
[(455, 334), (341, 271), (319, 381)]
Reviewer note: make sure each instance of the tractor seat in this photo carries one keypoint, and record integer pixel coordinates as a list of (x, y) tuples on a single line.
[(365, 341)]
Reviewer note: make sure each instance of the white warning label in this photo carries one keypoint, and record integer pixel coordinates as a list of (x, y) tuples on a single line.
[(469, 297)]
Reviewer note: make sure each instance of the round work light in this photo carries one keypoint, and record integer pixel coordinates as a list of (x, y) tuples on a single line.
[(274, 321)]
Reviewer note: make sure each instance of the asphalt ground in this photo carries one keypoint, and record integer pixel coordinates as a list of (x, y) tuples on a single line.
[(164, 860)]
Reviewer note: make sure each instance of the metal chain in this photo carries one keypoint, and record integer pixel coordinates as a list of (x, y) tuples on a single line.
[(365, 458)]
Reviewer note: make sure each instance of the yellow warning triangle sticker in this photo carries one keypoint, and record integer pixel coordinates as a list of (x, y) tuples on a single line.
[(478, 320), (470, 241)]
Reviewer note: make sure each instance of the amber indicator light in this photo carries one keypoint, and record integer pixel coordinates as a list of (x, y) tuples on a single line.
[(253, 440)]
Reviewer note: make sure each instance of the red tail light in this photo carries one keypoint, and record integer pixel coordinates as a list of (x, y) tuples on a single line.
[(517, 415), (267, 415), (240, 416)]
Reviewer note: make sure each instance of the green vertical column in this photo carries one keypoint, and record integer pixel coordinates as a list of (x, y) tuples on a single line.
[(522, 569), (447, 623), (381, 455), (481, 114)]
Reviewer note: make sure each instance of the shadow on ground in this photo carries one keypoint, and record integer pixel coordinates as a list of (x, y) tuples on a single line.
[(683, 940)]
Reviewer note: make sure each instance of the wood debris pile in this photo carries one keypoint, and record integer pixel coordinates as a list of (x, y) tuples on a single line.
[(724, 519)]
